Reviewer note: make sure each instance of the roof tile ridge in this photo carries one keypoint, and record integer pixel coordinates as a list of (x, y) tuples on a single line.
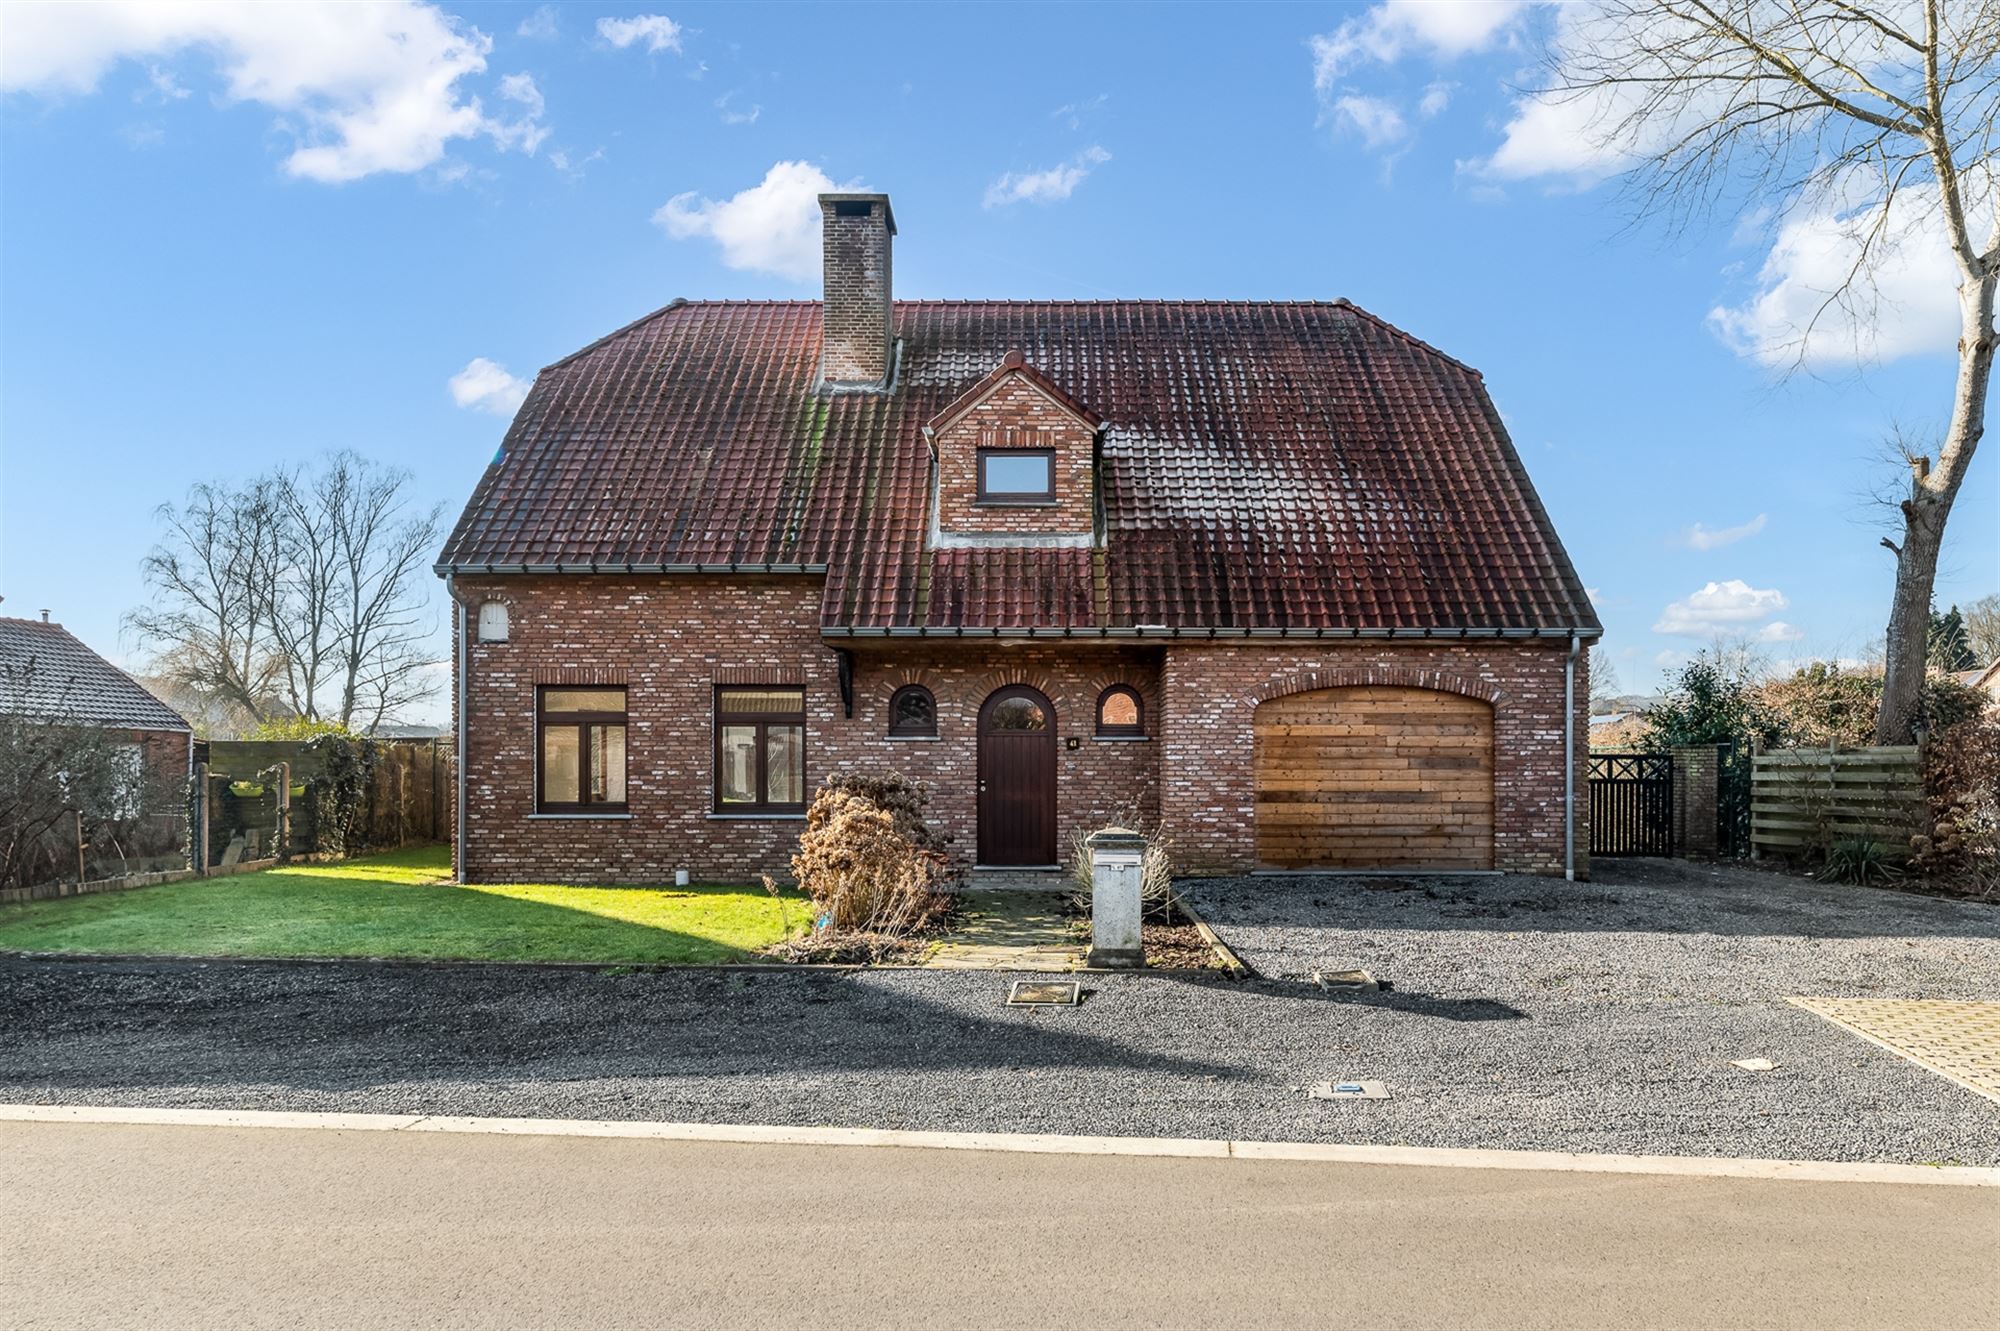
[(1408, 337), (676, 303)]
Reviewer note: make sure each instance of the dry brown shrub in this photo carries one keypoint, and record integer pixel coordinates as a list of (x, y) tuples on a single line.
[(873, 867), (1962, 778)]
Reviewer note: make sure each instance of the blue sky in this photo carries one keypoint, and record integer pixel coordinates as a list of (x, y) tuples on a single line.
[(232, 237)]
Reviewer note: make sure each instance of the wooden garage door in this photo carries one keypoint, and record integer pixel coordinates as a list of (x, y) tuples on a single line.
[(1375, 777)]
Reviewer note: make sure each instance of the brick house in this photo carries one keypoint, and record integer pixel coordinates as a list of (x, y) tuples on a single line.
[(1269, 575), (48, 674)]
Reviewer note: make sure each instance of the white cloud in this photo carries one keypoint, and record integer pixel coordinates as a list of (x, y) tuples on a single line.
[(1779, 631), (1699, 537), (1720, 608), (539, 26), (657, 31), (367, 88), (737, 115), (527, 132), (772, 227), (1908, 304), (1074, 113), (1050, 186), (486, 386), (1442, 29), (1910, 309), (1437, 29), (1377, 121)]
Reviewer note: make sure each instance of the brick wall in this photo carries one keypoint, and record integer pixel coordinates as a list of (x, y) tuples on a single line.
[(1211, 693), (669, 640), (1016, 414), (857, 315), (1697, 773)]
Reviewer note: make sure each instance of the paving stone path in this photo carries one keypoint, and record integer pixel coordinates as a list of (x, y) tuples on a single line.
[(1006, 930)]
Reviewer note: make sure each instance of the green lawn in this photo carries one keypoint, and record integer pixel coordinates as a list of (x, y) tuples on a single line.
[(401, 905)]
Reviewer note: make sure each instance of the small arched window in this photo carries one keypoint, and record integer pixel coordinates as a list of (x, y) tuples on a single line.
[(492, 621), (1121, 712), (913, 713)]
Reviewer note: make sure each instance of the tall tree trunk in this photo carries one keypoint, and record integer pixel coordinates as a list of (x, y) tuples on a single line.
[(1932, 491)]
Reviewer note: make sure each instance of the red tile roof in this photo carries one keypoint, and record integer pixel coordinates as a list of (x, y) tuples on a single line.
[(1297, 467)]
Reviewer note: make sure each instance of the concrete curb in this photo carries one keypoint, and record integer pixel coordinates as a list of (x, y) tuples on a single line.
[(1804, 1171), (1237, 968)]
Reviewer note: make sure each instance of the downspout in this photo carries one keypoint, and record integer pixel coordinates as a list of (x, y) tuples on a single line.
[(458, 728), (1569, 760)]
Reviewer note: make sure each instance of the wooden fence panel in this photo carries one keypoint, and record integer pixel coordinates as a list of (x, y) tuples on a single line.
[(1804, 799)]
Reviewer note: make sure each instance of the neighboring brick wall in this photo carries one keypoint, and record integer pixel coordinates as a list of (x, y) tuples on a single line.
[(166, 755), (1016, 414), (1211, 693), (1697, 772), (670, 640), (856, 323)]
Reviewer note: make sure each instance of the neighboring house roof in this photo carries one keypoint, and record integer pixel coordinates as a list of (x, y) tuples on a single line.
[(46, 671), (1986, 678), (1277, 467)]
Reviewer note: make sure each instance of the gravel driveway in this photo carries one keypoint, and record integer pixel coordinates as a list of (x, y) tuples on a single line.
[(1526, 1014)]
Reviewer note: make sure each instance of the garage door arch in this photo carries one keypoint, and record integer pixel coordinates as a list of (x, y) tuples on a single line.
[(1374, 776)]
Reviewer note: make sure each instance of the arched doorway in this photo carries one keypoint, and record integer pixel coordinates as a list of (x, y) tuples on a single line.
[(1017, 778), (1374, 777)]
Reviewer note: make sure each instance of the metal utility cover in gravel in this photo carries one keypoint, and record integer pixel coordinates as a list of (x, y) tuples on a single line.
[(1043, 993)]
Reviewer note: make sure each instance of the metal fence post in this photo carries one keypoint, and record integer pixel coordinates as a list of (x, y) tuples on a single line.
[(198, 843), (284, 812)]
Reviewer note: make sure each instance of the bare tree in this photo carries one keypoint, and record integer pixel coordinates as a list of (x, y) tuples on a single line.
[(300, 593), (1603, 681), (1982, 628), (210, 613), (1883, 113)]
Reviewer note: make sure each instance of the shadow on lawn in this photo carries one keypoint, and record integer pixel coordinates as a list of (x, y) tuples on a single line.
[(105, 1026)]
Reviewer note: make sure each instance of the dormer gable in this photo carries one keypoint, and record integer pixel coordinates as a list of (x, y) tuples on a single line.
[(1016, 457)]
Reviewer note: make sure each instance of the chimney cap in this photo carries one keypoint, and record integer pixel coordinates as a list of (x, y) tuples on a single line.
[(827, 203)]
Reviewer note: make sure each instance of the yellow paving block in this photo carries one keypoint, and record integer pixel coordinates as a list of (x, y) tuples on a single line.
[(1954, 1038)]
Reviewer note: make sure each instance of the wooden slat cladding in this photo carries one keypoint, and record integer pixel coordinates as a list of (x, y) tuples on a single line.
[(1375, 777)]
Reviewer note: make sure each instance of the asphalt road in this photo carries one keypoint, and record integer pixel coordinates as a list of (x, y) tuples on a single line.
[(126, 1226)]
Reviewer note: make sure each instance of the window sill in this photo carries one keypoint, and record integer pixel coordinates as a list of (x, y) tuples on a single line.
[(1121, 739), (913, 739), (1014, 503), (599, 817), (756, 817)]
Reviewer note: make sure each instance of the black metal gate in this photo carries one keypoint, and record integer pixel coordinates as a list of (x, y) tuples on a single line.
[(1732, 800), (1631, 804)]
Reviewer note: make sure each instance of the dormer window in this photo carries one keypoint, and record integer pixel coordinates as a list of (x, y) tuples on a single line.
[(1017, 476)]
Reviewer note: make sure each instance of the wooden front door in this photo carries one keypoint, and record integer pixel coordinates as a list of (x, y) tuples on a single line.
[(1017, 778), (1373, 778)]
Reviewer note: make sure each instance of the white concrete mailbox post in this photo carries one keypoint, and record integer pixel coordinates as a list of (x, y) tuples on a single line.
[(1117, 860)]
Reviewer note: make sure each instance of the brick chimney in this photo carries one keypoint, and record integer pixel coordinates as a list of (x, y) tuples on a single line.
[(859, 334)]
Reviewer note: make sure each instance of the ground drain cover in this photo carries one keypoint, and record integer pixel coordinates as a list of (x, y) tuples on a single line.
[(1347, 982), (1349, 1090), (1043, 993)]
